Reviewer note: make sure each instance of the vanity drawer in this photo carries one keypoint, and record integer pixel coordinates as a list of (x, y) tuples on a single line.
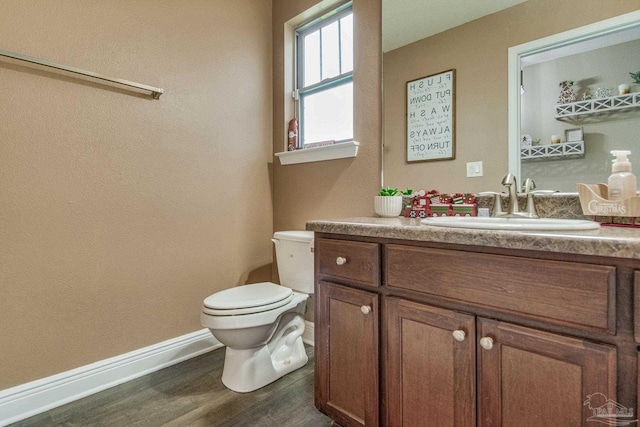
[(565, 293), (343, 260)]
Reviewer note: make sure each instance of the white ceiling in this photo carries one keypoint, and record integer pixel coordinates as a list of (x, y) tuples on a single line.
[(407, 21)]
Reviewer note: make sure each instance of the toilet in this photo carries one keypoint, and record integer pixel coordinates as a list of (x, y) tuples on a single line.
[(262, 323)]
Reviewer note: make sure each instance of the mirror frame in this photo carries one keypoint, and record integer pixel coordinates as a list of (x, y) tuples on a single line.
[(586, 32)]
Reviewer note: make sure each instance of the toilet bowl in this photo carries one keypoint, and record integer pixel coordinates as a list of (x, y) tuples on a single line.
[(261, 324)]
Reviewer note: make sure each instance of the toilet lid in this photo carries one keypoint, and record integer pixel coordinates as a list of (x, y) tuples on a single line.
[(248, 296), (249, 310)]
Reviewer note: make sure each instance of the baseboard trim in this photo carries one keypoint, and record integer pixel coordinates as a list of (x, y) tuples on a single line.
[(308, 335), (27, 400)]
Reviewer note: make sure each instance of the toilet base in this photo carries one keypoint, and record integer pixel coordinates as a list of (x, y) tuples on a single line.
[(250, 369)]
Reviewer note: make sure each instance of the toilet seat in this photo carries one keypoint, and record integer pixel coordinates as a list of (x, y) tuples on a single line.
[(247, 299), (258, 318)]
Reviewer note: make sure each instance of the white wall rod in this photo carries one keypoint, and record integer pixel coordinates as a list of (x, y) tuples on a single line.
[(154, 91)]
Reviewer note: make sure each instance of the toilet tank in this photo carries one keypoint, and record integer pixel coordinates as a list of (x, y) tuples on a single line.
[(294, 256)]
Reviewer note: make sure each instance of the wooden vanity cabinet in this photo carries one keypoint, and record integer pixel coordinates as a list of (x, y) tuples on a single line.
[(347, 361), (531, 378), (431, 365), (453, 353), (525, 377)]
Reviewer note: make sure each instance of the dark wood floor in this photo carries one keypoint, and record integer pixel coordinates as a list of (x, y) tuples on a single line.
[(191, 394)]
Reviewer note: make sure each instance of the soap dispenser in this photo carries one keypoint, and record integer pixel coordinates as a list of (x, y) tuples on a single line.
[(622, 183)]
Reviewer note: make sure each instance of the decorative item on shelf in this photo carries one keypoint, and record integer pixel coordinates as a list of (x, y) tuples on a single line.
[(567, 94), (388, 203), (555, 139), (573, 135), (587, 95), (603, 92), (292, 135), (594, 200), (623, 89), (319, 144), (525, 141), (432, 203)]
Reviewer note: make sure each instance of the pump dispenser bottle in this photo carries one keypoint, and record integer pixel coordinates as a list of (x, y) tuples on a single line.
[(622, 183)]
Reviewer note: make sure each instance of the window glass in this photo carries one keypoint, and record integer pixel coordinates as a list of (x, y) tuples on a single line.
[(325, 78), (312, 58), (328, 114), (330, 51), (346, 43)]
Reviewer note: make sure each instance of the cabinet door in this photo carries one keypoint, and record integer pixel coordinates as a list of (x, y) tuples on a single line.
[(532, 378), (346, 371), (430, 366)]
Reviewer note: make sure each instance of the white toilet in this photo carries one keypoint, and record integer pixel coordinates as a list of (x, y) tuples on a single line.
[(262, 324)]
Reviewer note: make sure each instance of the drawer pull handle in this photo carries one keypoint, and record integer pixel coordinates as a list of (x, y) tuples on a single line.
[(341, 260), (486, 343), (459, 335), (365, 309)]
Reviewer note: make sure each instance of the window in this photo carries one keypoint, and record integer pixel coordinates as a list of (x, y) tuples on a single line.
[(324, 84)]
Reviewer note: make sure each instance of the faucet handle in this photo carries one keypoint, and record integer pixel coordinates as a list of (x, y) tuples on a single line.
[(497, 202), (531, 207)]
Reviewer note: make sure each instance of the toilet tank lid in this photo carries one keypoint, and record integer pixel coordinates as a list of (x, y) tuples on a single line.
[(295, 235)]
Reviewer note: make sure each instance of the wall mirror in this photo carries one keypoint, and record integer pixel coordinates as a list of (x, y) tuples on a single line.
[(565, 55), (595, 60)]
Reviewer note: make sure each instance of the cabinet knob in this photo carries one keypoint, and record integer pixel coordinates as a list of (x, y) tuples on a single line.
[(341, 260), (365, 309), (459, 335), (486, 343)]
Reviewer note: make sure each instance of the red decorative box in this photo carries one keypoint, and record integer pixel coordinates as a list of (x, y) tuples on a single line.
[(425, 204)]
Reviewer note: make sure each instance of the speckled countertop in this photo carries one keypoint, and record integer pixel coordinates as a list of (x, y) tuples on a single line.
[(606, 241)]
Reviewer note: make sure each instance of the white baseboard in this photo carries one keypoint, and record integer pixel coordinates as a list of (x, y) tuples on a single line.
[(307, 335), (26, 400)]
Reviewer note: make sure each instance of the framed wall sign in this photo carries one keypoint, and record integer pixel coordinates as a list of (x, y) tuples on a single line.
[(431, 114)]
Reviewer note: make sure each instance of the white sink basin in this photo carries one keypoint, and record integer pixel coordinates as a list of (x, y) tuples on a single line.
[(511, 223)]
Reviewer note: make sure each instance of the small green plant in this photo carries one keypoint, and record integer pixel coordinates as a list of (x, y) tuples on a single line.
[(388, 192), (635, 77), (407, 192)]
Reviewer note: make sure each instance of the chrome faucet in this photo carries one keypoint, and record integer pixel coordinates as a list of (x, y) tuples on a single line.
[(510, 182), (529, 188), (513, 209)]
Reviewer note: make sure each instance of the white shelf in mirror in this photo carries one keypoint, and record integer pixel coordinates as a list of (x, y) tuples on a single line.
[(598, 109), (546, 152), (340, 150)]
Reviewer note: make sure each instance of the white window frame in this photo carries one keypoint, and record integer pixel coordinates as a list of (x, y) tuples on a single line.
[(324, 84)]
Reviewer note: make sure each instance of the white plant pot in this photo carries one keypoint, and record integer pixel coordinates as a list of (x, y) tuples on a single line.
[(388, 206)]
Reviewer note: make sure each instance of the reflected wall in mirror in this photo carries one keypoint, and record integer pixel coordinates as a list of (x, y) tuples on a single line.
[(478, 50), (596, 59)]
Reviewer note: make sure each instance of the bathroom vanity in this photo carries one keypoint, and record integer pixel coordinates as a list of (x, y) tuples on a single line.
[(428, 326)]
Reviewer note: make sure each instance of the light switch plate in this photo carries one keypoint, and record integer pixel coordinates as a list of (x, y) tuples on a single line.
[(474, 169)]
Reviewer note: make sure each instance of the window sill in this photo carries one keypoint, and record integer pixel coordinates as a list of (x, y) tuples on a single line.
[(341, 150)]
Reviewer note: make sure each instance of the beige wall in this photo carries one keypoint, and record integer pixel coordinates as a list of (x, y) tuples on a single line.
[(337, 188), (118, 213), (478, 52)]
